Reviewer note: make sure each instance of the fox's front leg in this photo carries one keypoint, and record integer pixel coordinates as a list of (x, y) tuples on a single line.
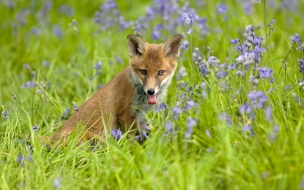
[(135, 125), (143, 129)]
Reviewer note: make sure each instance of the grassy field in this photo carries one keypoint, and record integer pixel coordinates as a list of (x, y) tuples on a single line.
[(234, 116)]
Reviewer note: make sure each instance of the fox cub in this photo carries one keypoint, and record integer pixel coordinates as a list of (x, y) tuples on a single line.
[(122, 102)]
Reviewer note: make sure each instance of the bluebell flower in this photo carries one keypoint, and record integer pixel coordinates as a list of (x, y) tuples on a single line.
[(195, 55), (288, 87), (156, 109), (221, 74), (185, 45), (162, 106), (66, 113), (247, 128), (36, 31), (258, 98), (190, 104), (19, 158), (118, 59), (301, 65), (265, 72), (29, 84), (301, 186), (21, 17), (203, 69), (235, 41), (295, 39), (98, 17), (138, 138), (109, 16), (169, 127), (45, 63), (257, 51), (181, 72), (224, 116), (66, 9), (271, 80), (57, 31), (268, 113), (295, 97), (35, 128), (223, 66), (75, 107), (202, 65), (221, 8), (239, 48), (273, 21), (98, 65), (47, 5), (116, 134), (247, 6), (275, 132), (301, 47), (204, 89), (124, 24), (214, 61), (158, 26), (257, 41), (57, 183), (26, 66), (188, 20), (245, 109), (208, 133), (176, 112), (23, 159), (4, 113), (108, 5), (233, 66), (150, 13), (190, 124), (209, 150), (136, 31), (142, 137), (10, 4), (239, 73), (201, 23), (42, 84), (144, 134), (249, 29), (155, 34)]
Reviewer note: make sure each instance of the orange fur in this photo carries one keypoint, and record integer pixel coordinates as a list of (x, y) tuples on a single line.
[(115, 106)]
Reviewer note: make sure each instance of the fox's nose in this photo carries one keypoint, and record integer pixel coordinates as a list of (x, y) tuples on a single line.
[(150, 91)]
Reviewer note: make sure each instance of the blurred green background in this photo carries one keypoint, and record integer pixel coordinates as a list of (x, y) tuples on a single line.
[(48, 50)]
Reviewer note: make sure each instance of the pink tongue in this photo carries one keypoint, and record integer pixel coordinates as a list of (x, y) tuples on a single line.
[(152, 99)]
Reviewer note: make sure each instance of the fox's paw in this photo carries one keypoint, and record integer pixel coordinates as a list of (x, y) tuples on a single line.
[(145, 133)]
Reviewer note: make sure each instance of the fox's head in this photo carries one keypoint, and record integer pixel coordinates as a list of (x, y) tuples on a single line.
[(153, 65)]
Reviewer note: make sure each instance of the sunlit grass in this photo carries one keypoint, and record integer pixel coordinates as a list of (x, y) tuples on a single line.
[(227, 149)]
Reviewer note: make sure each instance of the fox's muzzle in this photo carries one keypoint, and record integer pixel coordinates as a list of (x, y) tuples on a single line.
[(150, 91), (151, 96)]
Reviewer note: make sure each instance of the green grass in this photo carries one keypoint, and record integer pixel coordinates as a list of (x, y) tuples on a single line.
[(228, 158)]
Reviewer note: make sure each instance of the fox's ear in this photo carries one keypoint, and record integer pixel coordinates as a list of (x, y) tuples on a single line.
[(136, 45), (172, 46)]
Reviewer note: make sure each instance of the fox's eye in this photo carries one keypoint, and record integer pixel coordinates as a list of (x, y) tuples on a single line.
[(143, 72), (161, 72)]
